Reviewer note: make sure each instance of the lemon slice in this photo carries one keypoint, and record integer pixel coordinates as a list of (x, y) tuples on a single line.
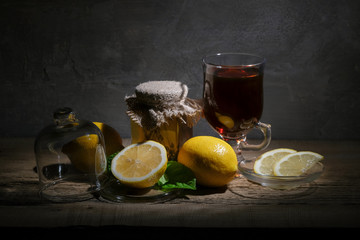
[(264, 164), (140, 165), (296, 164), (225, 120)]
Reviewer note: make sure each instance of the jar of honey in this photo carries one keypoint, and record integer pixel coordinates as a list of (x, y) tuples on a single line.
[(162, 112)]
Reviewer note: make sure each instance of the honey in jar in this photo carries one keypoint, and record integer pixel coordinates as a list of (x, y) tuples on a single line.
[(162, 112)]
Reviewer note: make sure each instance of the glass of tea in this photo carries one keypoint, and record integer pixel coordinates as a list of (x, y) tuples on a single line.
[(233, 98)]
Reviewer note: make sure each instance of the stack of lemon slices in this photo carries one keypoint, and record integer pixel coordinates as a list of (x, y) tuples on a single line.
[(286, 162)]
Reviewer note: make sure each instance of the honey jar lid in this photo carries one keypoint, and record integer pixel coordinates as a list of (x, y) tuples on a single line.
[(154, 102), (159, 92)]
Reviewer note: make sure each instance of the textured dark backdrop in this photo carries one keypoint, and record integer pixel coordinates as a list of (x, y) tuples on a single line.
[(89, 54)]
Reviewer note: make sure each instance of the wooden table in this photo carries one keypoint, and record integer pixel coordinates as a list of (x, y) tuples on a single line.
[(332, 201)]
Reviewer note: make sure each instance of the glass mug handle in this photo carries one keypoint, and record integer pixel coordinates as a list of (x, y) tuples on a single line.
[(266, 131)]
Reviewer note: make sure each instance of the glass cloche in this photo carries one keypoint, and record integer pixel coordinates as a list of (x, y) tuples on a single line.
[(69, 153)]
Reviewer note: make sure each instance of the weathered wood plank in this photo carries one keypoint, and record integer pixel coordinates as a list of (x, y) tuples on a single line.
[(332, 200)]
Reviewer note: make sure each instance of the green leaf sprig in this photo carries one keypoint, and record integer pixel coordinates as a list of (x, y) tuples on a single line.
[(176, 176)]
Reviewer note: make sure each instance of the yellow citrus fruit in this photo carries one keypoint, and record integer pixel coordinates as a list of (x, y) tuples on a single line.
[(212, 160), (140, 165), (81, 152), (84, 150), (264, 164), (225, 120), (113, 140), (296, 164)]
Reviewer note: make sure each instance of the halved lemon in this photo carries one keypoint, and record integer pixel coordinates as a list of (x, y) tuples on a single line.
[(140, 165), (264, 164), (296, 164)]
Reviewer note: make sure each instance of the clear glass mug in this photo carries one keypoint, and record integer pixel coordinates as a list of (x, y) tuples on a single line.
[(233, 98)]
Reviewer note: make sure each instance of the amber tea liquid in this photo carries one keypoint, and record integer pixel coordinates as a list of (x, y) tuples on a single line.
[(233, 99)]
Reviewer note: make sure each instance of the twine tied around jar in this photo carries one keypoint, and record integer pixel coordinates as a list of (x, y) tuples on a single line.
[(154, 102)]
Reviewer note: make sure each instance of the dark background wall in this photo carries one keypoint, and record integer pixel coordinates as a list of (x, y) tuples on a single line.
[(89, 54)]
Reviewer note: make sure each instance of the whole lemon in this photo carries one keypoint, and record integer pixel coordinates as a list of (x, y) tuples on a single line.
[(81, 151), (113, 140), (212, 160)]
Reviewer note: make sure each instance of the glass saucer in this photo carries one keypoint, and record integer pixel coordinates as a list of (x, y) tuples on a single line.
[(279, 182), (114, 191)]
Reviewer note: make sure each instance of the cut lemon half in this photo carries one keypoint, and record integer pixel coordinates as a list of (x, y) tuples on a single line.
[(140, 165), (296, 164), (264, 164)]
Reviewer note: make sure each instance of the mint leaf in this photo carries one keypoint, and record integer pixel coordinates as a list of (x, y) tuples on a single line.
[(163, 180), (109, 160), (177, 176)]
